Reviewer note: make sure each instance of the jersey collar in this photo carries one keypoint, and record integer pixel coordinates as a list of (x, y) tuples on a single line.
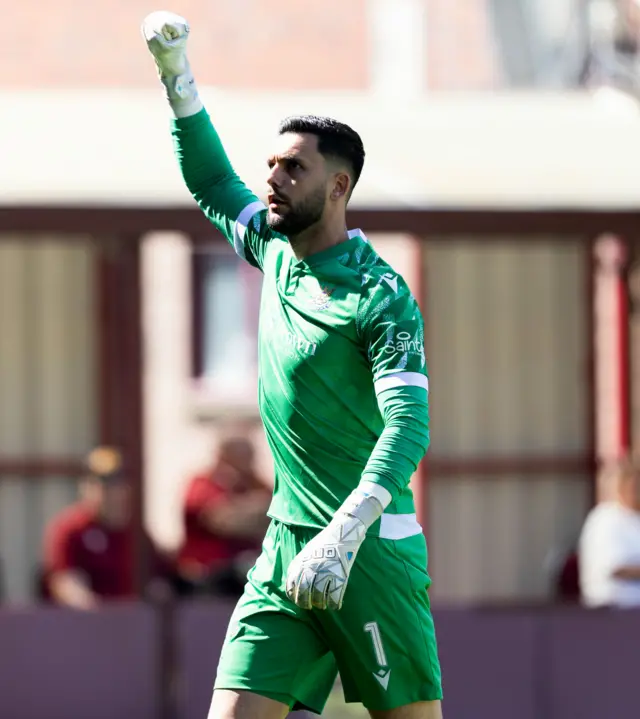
[(354, 239)]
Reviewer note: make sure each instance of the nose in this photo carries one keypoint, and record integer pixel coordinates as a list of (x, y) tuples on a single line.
[(274, 179)]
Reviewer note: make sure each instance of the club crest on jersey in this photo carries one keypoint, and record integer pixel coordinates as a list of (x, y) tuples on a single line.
[(322, 300)]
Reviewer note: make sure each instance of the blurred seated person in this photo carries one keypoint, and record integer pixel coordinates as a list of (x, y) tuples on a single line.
[(88, 546), (224, 522), (609, 548)]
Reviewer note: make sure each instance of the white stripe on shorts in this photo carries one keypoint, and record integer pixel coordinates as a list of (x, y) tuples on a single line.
[(399, 526)]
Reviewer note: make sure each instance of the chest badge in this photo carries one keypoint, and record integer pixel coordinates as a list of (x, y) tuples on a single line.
[(322, 300)]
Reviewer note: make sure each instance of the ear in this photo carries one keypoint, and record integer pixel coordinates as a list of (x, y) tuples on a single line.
[(341, 187)]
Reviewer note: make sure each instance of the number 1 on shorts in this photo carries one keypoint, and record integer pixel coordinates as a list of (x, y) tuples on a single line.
[(374, 630)]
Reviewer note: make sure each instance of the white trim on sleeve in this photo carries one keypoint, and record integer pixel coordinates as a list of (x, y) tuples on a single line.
[(241, 224), (401, 379)]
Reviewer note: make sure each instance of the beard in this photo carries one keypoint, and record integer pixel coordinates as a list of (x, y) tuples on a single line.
[(299, 217)]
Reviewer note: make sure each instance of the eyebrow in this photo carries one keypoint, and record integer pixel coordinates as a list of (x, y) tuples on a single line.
[(286, 157)]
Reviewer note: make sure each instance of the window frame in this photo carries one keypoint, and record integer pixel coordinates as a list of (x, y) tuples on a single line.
[(209, 401)]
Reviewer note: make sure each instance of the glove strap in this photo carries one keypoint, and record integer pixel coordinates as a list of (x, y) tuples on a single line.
[(366, 503), (182, 94)]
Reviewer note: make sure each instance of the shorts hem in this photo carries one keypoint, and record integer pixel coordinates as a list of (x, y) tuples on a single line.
[(389, 705), (294, 703)]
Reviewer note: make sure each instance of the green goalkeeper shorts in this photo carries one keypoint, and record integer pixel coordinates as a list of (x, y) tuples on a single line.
[(382, 641)]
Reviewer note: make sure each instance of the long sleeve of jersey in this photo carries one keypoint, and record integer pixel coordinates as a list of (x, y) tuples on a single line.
[(404, 440), (392, 330), (222, 196)]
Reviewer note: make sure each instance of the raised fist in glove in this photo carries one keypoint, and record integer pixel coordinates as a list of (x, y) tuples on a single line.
[(166, 36)]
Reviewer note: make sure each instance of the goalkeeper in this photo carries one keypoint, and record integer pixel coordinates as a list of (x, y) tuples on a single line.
[(341, 584)]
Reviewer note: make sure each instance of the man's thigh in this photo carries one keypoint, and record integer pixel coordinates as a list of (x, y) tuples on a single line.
[(420, 710), (383, 637), (274, 649), (229, 704)]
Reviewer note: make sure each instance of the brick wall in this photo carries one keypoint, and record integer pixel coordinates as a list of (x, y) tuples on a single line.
[(460, 52), (267, 44), (262, 44)]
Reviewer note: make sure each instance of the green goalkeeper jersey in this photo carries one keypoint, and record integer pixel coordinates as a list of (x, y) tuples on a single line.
[(341, 353)]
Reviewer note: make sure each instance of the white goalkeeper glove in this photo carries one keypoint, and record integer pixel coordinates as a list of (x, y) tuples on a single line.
[(166, 35), (317, 577)]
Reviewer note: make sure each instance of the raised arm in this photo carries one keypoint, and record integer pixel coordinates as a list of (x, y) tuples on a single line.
[(205, 167)]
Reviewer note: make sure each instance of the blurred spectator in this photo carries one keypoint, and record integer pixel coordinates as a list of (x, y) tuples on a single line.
[(609, 549), (88, 547), (224, 521)]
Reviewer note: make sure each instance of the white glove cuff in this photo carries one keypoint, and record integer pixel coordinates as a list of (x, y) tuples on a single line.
[(182, 94), (366, 503)]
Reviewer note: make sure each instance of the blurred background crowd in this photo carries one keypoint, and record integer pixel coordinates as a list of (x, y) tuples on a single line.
[(502, 180)]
